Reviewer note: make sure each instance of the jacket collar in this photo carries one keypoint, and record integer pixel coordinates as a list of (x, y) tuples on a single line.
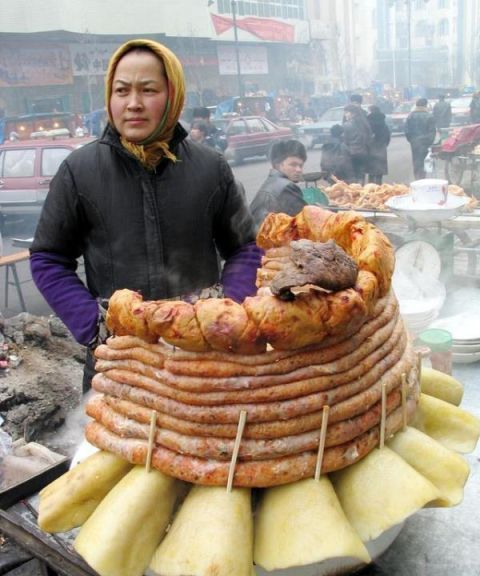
[(110, 136)]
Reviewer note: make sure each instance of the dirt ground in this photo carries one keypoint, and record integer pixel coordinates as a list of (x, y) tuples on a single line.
[(41, 370)]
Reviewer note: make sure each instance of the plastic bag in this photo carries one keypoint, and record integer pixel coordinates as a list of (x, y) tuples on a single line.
[(428, 164)]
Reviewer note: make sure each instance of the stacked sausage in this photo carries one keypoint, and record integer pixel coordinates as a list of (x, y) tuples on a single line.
[(197, 393)]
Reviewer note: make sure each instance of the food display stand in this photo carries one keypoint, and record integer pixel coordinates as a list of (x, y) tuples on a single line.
[(421, 543)]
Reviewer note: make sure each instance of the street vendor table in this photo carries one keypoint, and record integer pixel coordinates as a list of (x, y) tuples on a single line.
[(10, 263)]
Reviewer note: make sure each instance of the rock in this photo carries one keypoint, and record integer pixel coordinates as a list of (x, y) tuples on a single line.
[(43, 383), (58, 328), (37, 330)]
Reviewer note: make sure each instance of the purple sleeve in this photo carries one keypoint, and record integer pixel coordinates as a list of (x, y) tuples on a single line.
[(240, 271), (55, 277)]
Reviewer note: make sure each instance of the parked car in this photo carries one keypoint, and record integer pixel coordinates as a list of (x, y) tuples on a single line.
[(318, 132), (249, 136), (460, 110), (396, 119), (26, 170)]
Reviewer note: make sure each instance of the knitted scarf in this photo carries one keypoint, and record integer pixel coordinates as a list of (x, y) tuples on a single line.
[(151, 150)]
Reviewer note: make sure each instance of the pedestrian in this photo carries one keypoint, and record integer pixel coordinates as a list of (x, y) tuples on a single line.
[(442, 113), (147, 209), (420, 132), (357, 100), (475, 108), (280, 191), (336, 160), (358, 137), (378, 158), (216, 137), (199, 132)]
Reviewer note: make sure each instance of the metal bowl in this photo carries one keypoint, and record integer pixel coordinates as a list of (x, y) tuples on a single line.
[(422, 213)]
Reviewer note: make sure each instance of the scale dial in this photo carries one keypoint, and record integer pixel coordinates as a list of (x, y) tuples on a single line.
[(420, 255)]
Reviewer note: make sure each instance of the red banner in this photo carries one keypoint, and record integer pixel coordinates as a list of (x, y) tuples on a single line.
[(271, 30)]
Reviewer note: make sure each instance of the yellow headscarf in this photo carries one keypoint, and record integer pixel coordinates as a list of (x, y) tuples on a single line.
[(156, 146)]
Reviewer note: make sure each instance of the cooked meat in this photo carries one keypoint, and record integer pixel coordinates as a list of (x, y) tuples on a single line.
[(323, 264)]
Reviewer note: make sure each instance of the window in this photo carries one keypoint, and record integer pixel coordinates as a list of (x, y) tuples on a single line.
[(333, 114), (237, 127), (443, 3), (421, 28), (265, 8), (255, 125), (19, 163), (443, 27), (269, 126), (51, 160)]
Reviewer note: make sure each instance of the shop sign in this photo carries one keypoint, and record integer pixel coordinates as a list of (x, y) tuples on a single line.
[(91, 60), (253, 60), (34, 65)]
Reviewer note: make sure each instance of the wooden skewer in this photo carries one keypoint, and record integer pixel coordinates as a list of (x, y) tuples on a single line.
[(404, 401), (321, 445), (419, 365), (236, 448), (384, 415), (151, 439)]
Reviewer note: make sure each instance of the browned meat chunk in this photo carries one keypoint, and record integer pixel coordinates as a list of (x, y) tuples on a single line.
[(323, 264)]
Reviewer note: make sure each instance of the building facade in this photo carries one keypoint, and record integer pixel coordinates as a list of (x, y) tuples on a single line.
[(54, 53), (428, 43)]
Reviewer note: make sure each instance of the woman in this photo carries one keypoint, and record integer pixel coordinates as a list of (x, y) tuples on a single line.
[(357, 136), (377, 160), (146, 207)]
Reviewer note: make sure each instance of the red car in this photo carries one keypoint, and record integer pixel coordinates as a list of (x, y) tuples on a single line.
[(249, 136), (26, 169)]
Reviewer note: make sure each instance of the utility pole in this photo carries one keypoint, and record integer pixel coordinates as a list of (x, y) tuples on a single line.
[(237, 54), (409, 42)]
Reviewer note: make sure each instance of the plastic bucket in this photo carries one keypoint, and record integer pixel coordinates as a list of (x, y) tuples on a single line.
[(429, 191)]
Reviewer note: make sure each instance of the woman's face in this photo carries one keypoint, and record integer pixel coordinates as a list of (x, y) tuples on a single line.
[(139, 95)]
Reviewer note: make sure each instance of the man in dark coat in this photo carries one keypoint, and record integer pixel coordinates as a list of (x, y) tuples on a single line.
[(420, 131), (475, 108), (358, 138), (216, 137), (280, 192), (336, 159), (377, 159), (442, 113)]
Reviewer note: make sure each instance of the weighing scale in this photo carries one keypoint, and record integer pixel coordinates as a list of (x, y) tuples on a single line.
[(426, 246), (429, 251)]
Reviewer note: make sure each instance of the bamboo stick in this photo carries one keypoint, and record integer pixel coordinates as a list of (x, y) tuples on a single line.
[(236, 447), (384, 415), (404, 401), (151, 439), (321, 445)]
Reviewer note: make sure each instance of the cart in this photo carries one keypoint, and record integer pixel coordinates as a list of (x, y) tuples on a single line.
[(459, 157)]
